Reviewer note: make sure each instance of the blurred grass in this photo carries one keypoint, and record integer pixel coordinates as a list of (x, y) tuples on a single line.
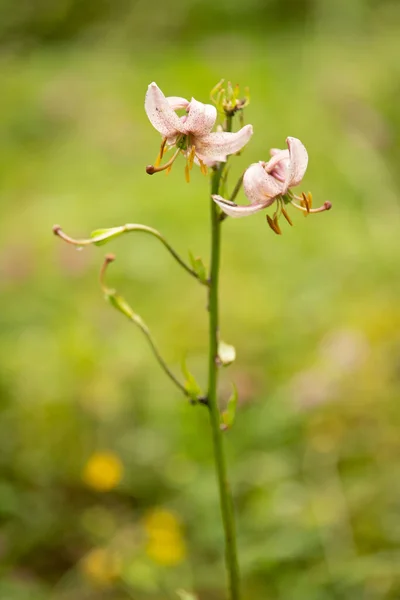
[(314, 316)]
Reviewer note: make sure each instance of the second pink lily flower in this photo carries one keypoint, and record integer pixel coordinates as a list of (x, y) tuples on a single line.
[(264, 182)]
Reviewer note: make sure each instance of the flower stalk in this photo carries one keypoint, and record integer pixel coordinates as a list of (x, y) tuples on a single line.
[(120, 304), (225, 497), (102, 236)]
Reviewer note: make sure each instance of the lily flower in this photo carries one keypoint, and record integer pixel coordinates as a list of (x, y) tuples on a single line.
[(190, 134), (267, 182)]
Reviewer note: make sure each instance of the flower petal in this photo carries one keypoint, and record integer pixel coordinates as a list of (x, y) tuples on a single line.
[(176, 102), (160, 113), (277, 157), (260, 186), (298, 163), (201, 118), (278, 165), (236, 211), (218, 145)]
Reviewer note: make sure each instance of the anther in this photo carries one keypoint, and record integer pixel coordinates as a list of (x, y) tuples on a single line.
[(151, 169)]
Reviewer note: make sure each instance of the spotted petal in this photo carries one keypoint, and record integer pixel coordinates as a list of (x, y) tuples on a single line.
[(235, 210), (176, 102), (278, 164), (259, 186), (297, 164), (201, 118), (160, 113), (218, 145)]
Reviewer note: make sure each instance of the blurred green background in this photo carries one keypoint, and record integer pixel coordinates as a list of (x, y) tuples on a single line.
[(107, 489)]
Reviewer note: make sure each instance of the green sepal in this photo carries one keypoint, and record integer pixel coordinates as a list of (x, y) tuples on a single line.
[(228, 415), (226, 353)]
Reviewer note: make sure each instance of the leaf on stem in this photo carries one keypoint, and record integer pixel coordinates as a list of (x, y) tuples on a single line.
[(123, 307), (105, 235), (228, 415), (226, 353), (198, 267), (191, 385)]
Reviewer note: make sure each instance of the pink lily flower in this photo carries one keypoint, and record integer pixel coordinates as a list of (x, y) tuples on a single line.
[(267, 182), (191, 134)]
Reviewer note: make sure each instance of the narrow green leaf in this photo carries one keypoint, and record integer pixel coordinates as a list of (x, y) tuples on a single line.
[(191, 385), (226, 353), (198, 267), (120, 304), (106, 235), (228, 415)]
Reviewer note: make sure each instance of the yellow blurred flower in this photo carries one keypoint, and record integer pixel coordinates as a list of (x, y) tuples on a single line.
[(103, 471), (165, 542), (100, 566)]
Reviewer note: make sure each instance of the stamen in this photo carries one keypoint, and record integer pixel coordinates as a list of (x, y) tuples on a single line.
[(274, 225), (203, 167), (285, 214), (326, 206), (189, 163), (187, 173), (277, 227), (151, 169), (277, 213), (304, 202), (191, 156), (161, 153)]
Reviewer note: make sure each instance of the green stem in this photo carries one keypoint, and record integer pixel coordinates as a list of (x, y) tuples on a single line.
[(215, 419)]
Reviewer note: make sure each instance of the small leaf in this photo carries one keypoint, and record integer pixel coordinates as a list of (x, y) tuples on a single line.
[(226, 353), (191, 385), (228, 415), (198, 267), (105, 235), (121, 304)]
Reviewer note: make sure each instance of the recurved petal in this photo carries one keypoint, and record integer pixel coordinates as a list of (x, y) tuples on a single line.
[(201, 118), (297, 164), (219, 144), (176, 102), (160, 113), (259, 186), (277, 157), (235, 210)]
